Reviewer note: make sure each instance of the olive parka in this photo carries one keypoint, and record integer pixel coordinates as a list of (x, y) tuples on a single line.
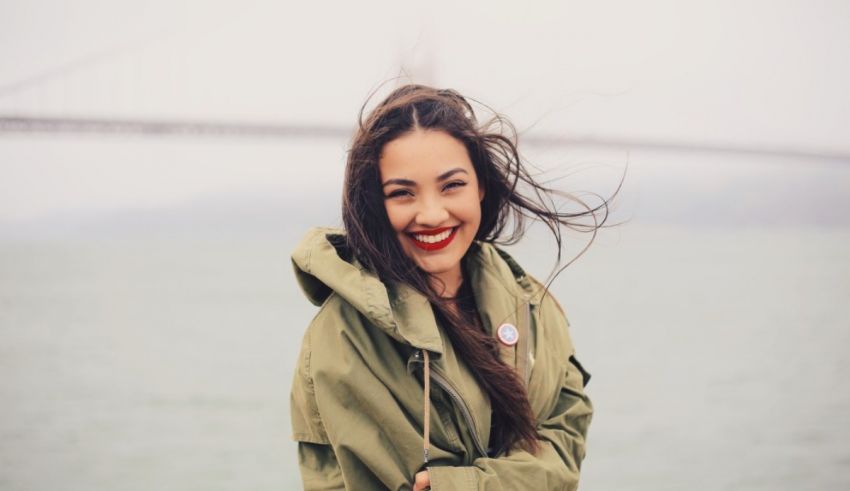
[(357, 394)]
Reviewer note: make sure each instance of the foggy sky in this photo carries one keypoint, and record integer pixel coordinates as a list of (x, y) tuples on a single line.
[(759, 75)]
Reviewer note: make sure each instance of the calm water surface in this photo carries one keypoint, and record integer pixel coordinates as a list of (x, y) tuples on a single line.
[(719, 360)]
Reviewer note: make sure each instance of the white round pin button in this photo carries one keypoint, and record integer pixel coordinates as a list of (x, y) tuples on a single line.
[(508, 334)]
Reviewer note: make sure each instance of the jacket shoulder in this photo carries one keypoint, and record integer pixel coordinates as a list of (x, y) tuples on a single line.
[(544, 296), (338, 331), (336, 317), (553, 314), (553, 318)]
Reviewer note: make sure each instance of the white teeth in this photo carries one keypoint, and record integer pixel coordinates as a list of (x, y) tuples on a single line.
[(432, 239)]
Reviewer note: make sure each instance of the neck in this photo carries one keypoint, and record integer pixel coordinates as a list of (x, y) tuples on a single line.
[(447, 283)]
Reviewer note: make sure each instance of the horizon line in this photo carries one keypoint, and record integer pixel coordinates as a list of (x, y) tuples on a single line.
[(207, 128)]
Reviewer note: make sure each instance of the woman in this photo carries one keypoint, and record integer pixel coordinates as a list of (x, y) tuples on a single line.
[(435, 361)]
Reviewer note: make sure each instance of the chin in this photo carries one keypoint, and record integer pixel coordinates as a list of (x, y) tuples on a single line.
[(434, 269)]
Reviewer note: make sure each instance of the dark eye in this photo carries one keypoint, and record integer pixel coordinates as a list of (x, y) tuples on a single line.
[(453, 185), (399, 192)]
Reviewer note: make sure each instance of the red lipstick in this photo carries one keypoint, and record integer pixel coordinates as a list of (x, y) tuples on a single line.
[(433, 246)]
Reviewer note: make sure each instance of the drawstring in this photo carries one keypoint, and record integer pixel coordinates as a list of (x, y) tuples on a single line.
[(426, 437)]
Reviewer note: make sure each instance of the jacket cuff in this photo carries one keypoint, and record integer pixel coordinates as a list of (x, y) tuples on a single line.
[(445, 478)]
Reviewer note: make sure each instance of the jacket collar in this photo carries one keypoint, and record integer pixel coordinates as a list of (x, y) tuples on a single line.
[(322, 266)]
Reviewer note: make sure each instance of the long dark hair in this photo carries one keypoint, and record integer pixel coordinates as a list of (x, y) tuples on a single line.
[(511, 197)]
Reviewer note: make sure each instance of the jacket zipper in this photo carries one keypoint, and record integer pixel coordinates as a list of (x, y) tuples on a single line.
[(444, 383)]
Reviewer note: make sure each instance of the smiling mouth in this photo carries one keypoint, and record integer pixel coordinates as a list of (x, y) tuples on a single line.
[(432, 241)]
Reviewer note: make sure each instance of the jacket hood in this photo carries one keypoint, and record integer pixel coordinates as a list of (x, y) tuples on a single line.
[(323, 265)]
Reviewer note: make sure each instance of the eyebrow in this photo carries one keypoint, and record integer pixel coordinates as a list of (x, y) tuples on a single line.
[(408, 182)]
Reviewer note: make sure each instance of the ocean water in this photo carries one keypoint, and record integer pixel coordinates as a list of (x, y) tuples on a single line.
[(719, 359)]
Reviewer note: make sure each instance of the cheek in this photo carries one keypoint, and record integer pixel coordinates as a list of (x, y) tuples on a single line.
[(395, 216), (473, 210)]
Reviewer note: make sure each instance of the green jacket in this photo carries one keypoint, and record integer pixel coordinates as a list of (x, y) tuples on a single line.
[(357, 393)]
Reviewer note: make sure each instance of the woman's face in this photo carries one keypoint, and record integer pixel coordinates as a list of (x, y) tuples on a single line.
[(433, 200)]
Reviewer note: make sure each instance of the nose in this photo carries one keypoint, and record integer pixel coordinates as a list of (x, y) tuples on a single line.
[(431, 213)]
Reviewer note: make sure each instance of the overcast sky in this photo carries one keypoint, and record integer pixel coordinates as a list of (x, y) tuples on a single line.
[(769, 75)]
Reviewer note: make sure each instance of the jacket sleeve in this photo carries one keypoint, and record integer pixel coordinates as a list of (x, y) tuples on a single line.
[(316, 459), (351, 431), (556, 465), (319, 467)]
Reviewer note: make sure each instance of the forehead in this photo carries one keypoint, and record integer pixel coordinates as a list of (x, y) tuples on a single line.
[(423, 154)]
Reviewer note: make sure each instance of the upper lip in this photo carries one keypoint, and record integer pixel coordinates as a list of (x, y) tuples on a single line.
[(434, 231)]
